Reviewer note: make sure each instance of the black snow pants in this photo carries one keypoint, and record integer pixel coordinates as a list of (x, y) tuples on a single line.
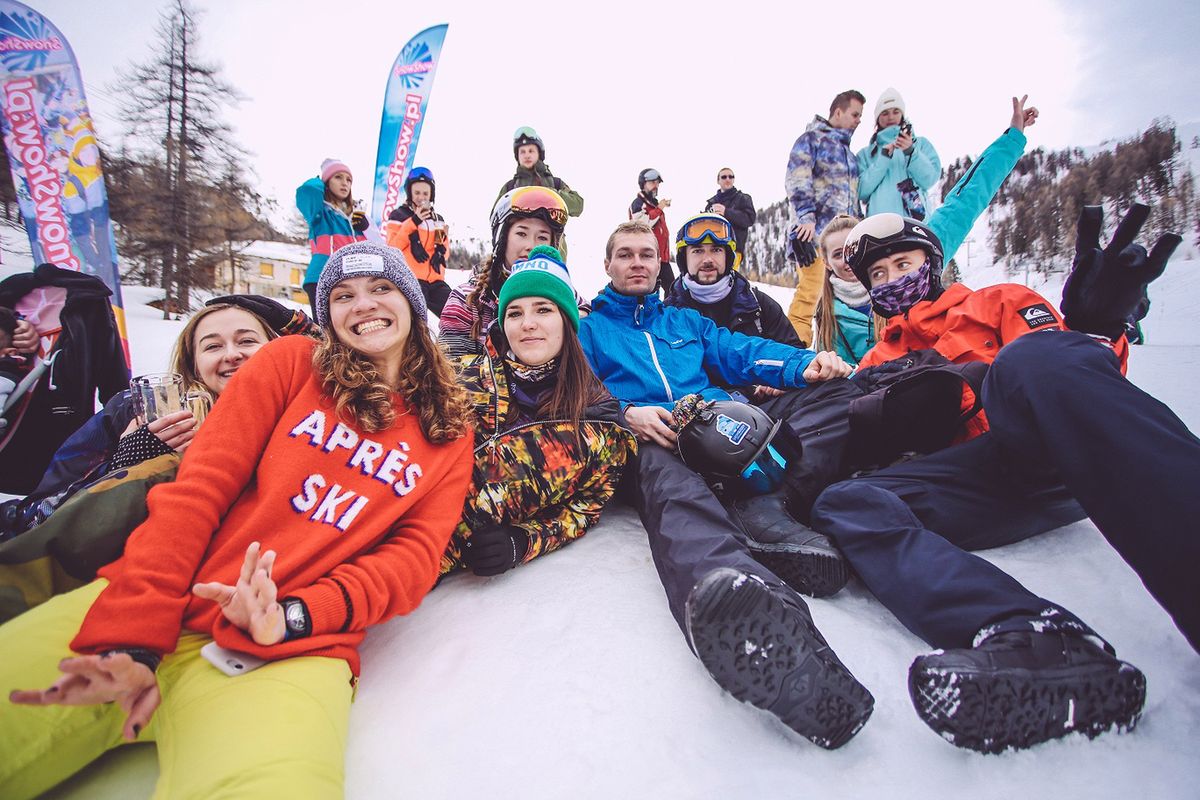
[(1070, 437), (689, 529)]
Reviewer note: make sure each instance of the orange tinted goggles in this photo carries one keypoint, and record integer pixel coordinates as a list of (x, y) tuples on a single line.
[(529, 199)]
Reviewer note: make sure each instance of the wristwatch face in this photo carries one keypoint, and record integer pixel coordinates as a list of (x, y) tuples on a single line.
[(294, 616)]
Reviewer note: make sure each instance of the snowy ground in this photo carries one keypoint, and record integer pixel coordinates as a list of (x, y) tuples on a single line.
[(569, 677)]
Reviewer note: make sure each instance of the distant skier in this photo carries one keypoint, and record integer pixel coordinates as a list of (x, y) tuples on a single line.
[(734, 205), (532, 170), (421, 234), (651, 210), (896, 169)]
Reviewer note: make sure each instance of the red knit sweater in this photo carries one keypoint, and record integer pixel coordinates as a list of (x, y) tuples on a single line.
[(358, 521)]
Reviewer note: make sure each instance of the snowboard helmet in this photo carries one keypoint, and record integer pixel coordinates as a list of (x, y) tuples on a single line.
[(730, 443), (524, 202), (882, 235), (704, 227), (648, 174), (416, 175), (527, 135)]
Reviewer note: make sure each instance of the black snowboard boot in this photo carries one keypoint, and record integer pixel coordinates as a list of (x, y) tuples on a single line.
[(806, 560), (1017, 689), (760, 644)]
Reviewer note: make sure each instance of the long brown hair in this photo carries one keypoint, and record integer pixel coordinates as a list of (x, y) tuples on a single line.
[(827, 328), (427, 383), (577, 386), (183, 357)]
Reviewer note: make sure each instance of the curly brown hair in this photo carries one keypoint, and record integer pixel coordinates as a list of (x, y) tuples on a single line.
[(427, 383)]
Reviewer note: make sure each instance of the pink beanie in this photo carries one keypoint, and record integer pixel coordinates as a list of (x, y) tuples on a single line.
[(332, 166)]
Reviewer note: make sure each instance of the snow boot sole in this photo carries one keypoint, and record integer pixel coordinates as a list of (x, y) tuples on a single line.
[(993, 710), (814, 571), (767, 652)]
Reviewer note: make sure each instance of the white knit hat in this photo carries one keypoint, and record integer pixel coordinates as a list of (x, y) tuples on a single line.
[(889, 99)]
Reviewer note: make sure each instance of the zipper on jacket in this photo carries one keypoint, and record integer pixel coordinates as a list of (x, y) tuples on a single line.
[(768, 362), (491, 444), (657, 366)]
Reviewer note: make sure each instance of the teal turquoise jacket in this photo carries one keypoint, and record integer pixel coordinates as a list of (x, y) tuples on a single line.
[(879, 173), (328, 227), (953, 220), (855, 332)]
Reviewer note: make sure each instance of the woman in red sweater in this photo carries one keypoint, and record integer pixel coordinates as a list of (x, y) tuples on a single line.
[(316, 500)]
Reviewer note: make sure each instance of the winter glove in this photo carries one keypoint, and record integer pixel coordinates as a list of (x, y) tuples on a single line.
[(805, 252), (438, 259), (139, 446), (279, 317), (1106, 286), (419, 253), (494, 550), (359, 221)]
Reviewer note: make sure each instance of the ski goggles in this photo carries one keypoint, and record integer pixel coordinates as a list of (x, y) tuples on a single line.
[(651, 175), (766, 472), (711, 227), (870, 234), (525, 132), (532, 199), (420, 174)]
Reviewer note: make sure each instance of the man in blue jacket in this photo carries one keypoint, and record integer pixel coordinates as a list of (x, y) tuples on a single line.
[(742, 618)]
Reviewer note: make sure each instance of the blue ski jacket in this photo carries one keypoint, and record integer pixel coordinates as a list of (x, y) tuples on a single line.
[(969, 198), (650, 354)]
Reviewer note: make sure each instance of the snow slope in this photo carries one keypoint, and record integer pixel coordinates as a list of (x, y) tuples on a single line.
[(568, 676)]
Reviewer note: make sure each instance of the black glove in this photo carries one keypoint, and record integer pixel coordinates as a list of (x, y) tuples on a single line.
[(1106, 286), (279, 317), (491, 551), (359, 221), (438, 259), (416, 249), (805, 252)]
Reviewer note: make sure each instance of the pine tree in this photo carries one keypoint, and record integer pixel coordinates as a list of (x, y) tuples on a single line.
[(172, 113)]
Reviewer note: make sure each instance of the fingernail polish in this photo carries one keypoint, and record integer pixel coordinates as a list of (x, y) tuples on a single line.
[(137, 729)]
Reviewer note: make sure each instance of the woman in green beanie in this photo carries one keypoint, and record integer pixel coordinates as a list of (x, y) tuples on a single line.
[(550, 440)]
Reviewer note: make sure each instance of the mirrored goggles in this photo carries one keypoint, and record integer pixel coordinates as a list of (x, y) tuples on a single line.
[(872, 230), (531, 199), (765, 473)]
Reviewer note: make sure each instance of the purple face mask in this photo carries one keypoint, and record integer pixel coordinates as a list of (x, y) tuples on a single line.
[(895, 297)]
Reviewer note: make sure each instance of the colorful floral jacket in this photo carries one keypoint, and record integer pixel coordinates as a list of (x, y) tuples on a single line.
[(539, 476)]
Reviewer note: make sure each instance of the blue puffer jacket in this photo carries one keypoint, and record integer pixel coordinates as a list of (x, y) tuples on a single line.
[(650, 354), (822, 175), (879, 173)]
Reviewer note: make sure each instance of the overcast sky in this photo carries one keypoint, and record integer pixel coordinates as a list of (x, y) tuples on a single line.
[(682, 87)]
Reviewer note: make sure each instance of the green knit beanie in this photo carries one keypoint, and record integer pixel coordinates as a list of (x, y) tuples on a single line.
[(541, 274)]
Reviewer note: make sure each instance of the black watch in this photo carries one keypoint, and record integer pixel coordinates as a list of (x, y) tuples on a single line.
[(297, 624)]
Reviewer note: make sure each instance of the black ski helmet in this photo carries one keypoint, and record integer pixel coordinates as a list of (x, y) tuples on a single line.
[(527, 135), (729, 442), (708, 226), (648, 174), (420, 175), (882, 235)]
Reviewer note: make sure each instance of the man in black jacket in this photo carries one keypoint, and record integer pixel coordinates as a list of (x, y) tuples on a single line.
[(735, 206)]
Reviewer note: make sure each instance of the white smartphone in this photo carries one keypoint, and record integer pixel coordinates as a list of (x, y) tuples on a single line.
[(231, 662)]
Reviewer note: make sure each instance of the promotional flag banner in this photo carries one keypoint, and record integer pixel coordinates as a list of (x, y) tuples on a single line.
[(53, 152), (405, 103)]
